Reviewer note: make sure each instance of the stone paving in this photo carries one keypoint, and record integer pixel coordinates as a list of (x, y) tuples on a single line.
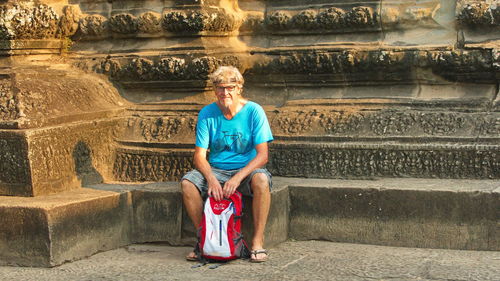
[(306, 260)]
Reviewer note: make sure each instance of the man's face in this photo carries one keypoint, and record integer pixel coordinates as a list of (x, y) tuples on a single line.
[(227, 94)]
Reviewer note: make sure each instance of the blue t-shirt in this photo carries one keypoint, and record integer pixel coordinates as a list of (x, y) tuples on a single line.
[(232, 142)]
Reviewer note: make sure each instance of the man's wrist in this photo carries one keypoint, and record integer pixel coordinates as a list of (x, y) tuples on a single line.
[(212, 179)]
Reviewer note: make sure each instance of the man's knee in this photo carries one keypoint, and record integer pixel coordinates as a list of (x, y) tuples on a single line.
[(188, 189), (260, 183)]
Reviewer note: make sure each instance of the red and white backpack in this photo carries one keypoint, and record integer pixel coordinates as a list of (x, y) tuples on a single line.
[(219, 234)]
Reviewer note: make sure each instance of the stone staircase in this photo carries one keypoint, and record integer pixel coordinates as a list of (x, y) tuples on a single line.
[(427, 213)]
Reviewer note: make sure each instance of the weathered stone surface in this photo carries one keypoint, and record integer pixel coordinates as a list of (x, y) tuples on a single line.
[(478, 14), (329, 159), (345, 160), (458, 214), (24, 236), (288, 261), (138, 165), (93, 26), (70, 18), (61, 126), (50, 230), (353, 121), (165, 68), (65, 157), (124, 23), (82, 229), (157, 213), (28, 22), (194, 21), (15, 169), (408, 215), (51, 94), (149, 22)]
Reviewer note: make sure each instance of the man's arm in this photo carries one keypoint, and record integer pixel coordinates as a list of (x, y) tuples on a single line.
[(202, 165), (259, 161)]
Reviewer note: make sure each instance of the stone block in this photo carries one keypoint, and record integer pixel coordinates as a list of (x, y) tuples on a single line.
[(54, 159), (24, 235), (50, 230), (157, 213), (403, 212), (58, 127)]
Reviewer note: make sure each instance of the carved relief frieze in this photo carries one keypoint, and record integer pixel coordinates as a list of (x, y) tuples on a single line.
[(70, 18), (310, 122), (151, 166), (334, 19), (97, 26), (58, 151), (375, 65), (331, 161), (163, 68), (194, 21), (295, 122), (478, 14), (149, 22), (9, 102), (13, 161), (461, 65), (488, 125), (339, 122), (159, 129), (40, 21), (342, 18), (392, 122), (460, 60), (320, 62), (441, 123), (93, 26), (124, 23), (336, 161)]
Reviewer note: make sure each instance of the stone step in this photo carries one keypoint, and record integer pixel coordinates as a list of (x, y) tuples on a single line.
[(428, 213), (424, 213), (52, 229)]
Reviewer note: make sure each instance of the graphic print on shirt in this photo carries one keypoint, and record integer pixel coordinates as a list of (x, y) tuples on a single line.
[(231, 142)]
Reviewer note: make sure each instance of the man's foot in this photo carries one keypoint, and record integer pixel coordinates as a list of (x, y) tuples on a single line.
[(192, 256), (258, 255)]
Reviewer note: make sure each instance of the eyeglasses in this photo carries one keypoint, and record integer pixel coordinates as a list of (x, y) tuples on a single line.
[(225, 88)]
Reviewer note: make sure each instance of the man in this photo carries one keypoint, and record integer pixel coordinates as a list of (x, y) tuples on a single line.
[(237, 133)]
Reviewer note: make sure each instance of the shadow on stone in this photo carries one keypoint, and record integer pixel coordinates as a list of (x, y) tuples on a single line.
[(85, 171)]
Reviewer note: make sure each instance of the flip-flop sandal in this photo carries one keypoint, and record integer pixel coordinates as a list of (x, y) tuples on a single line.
[(256, 252)]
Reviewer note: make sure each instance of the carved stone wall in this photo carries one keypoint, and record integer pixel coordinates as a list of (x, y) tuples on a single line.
[(14, 164), (66, 157), (370, 161), (389, 88), (140, 165), (28, 20)]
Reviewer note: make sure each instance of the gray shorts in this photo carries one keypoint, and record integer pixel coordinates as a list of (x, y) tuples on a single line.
[(200, 182)]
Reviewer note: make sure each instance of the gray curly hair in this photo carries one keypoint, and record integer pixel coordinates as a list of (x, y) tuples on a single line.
[(227, 75)]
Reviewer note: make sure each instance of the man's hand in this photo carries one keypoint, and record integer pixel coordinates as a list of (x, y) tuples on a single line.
[(215, 190), (230, 186)]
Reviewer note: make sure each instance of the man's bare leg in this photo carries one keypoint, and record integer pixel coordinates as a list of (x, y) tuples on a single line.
[(260, 210), (194, 205)]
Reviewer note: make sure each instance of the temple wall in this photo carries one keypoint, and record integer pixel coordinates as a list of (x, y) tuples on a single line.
[(352, 89)]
